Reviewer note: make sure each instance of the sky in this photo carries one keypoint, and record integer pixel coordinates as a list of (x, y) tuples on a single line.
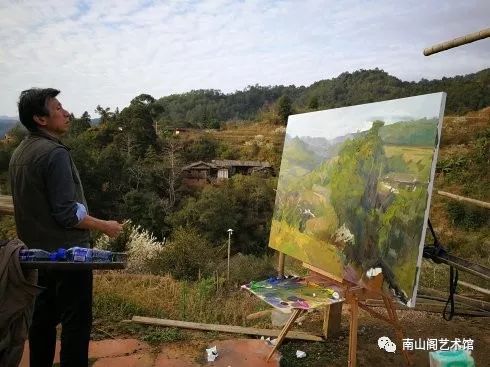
[(353, 119), (108, 52)]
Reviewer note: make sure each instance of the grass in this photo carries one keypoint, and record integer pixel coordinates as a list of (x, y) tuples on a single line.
[(164, 297), (156, 335), (304, 247), (409, 153)]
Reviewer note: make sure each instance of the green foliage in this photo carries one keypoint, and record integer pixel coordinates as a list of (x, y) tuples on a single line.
[(396, 163), (451, 165), (401, 223), (204, 148), (466, 216), (298, 158), (413, 133), (361, 162), (284, 108), (187, 255), (207, 108), (79, 125), (482, 147), (243, 203), (314, 103)]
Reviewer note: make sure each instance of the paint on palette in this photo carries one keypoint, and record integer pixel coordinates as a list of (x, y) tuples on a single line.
[(286, 294), (354, 189)]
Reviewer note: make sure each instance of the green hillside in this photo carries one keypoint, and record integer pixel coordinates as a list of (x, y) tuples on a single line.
[(298, 159), (211, 108), (413, 133)]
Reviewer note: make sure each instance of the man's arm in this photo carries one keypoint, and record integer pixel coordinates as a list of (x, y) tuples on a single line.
[(109, 227), (61, 192)]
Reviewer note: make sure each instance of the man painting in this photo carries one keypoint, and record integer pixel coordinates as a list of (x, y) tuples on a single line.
[(51, 212)]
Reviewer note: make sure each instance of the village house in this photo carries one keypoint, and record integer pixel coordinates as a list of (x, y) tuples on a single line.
[(202, 173), (406, 181)]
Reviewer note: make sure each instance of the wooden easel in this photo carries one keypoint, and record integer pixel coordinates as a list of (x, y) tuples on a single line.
[(354, 295)]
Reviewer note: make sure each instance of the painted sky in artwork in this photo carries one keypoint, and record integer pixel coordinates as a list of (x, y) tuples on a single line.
[(347, 120)]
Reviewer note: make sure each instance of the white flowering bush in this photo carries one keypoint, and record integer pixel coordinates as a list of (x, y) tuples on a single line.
[(280, 130), (140, 245)]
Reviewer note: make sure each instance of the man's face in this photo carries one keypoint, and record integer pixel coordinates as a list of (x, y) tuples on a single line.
[(58, 120)]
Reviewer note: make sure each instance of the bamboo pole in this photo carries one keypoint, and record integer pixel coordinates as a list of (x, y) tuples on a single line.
[(224, 328), (431, 307), (483, 204), (474, 287), (480, 304), (472, 37)]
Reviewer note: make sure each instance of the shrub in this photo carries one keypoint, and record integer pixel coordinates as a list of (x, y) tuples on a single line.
[(468, 217), (188, 255), (141, 246)]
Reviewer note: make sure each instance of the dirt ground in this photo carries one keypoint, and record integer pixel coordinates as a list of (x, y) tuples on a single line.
[(416, 324), (333, 352)]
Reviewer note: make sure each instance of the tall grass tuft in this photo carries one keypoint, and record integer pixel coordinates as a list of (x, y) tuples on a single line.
[(119, 296)]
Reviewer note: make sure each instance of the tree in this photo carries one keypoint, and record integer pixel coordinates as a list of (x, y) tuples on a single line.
[(313, 104), (135, 124), (105, 114), (284, 106), (79, 125), (361, 163)]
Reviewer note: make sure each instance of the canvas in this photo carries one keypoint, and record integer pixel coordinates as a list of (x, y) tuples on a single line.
[(354, 189)]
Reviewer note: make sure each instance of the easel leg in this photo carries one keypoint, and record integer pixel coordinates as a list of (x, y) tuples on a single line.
[(332, 315), (398, 330), (354, 313), (280, 265), (284, 331)]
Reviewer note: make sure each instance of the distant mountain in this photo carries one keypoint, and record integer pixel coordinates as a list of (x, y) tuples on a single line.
[(4, 128), (6, 123), (298, 154), (325, 148), (4, 118)]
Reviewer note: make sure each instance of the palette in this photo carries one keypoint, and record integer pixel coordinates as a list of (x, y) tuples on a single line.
[(292, 293)]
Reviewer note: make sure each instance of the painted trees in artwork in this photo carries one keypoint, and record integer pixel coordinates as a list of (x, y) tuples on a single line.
[(385, 223), (354, 183)]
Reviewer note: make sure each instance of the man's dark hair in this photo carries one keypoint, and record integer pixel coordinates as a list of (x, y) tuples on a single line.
[(33, 102)]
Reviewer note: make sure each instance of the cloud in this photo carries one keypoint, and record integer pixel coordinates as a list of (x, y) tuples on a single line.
[(107, 52)]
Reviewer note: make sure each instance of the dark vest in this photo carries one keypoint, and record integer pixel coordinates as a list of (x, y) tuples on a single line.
[(35, 225)]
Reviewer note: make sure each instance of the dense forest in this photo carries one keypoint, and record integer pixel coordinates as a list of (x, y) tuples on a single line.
[(131, 161), (211, 108)]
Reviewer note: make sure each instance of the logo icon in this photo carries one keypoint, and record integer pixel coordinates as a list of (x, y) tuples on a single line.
[(385, 343)]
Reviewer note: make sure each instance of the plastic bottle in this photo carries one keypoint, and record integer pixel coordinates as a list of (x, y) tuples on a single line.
[(101, 256), (79, 254), (34, 255), (58, 255)]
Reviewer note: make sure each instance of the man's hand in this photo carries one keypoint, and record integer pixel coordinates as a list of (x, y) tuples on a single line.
[(112, 228), (109, 227)]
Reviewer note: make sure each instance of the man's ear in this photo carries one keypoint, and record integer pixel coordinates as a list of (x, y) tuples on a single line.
[(39, 120)]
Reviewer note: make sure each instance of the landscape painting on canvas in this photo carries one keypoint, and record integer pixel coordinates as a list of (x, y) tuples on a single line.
[(354, 189)]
